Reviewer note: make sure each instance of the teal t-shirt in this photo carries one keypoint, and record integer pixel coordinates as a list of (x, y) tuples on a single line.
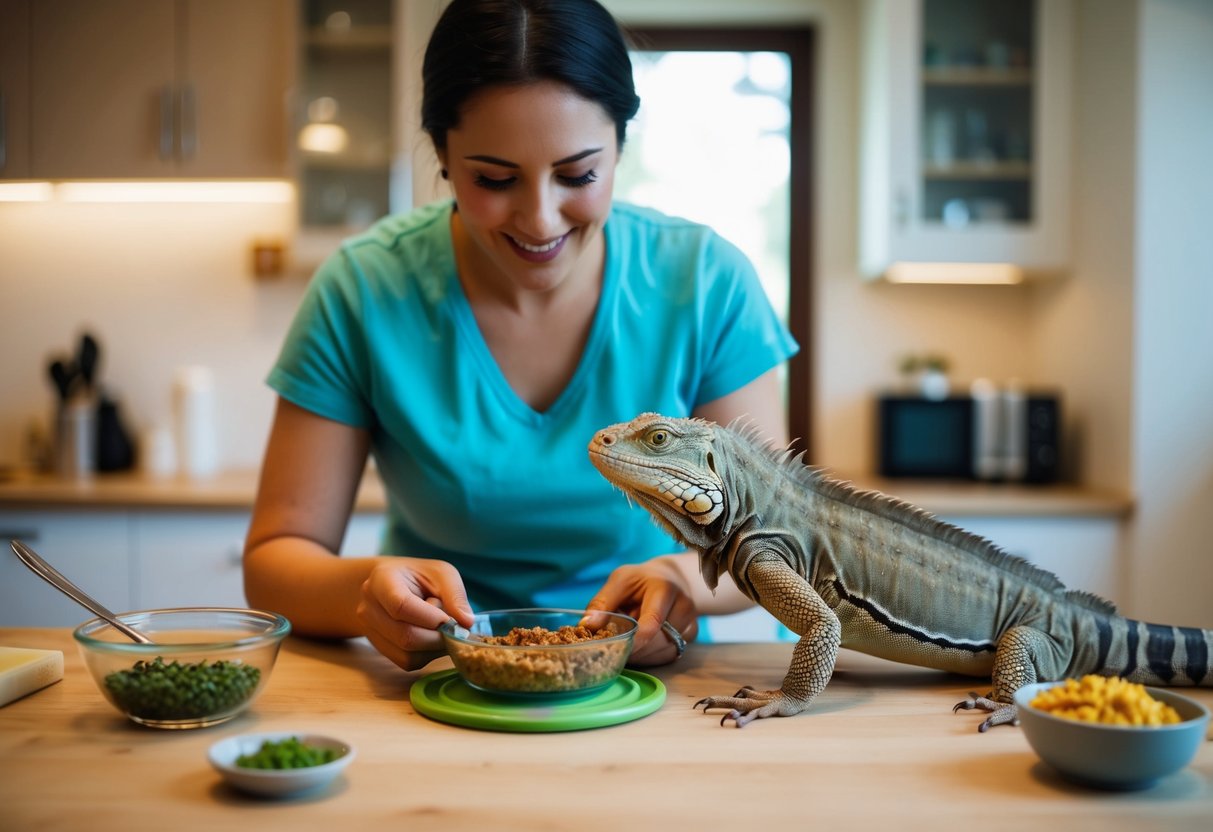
[(385, 340)]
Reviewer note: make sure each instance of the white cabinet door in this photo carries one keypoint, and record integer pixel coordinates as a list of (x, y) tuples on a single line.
[(189, 558), (965, 143), (363, 535), (1084, 552), (90, 548)]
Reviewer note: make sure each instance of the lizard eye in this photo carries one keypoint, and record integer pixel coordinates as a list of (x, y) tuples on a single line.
[(658, 438)]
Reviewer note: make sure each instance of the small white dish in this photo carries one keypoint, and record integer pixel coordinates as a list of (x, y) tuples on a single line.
[(276, 782)]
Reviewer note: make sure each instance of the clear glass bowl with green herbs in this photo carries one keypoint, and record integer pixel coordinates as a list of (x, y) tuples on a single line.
[(206, 665)]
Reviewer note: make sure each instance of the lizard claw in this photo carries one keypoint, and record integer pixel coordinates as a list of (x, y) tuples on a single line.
[(750, 704), (968, 704), (1001, 713)]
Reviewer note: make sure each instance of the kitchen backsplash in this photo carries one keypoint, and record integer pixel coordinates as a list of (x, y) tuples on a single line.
[(161, 286)]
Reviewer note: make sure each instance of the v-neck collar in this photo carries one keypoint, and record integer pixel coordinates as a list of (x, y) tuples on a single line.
[(490, 372)]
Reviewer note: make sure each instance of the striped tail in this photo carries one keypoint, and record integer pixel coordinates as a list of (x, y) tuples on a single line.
[(1154, 654)]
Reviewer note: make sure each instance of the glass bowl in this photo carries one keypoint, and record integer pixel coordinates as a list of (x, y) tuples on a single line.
[(1119, 757), (206, 666), (578, 667)]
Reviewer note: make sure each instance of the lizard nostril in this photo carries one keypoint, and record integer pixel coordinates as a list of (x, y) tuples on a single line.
[(606, 439)]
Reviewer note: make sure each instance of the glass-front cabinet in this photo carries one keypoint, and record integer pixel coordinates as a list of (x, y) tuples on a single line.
[(343, 137), (965, 134)]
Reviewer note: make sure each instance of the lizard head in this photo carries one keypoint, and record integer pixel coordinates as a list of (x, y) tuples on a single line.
[(668, 466)]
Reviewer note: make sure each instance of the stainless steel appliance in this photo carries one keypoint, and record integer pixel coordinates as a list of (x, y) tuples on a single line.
[(1006, 435)]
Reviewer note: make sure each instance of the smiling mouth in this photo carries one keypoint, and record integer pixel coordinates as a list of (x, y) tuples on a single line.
[(543, 248), (541, 253)]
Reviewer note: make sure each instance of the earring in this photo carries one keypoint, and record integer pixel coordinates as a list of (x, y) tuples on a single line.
[(444, 174)]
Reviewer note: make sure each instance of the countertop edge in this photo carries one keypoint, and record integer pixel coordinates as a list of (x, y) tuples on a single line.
[(237, 489)]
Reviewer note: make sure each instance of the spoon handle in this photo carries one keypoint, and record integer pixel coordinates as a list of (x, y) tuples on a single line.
[(53, 577)]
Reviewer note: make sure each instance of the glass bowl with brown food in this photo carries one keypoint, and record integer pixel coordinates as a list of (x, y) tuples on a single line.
[(540, 652)]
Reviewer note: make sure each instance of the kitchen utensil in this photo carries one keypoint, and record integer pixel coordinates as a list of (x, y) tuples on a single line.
[(53, 577), (63, 374), (88, 356), (76, 438)]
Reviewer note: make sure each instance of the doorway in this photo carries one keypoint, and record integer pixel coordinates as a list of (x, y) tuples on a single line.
[(723, 137)]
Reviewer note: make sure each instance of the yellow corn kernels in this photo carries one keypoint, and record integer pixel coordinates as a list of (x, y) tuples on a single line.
[(1108, 700)]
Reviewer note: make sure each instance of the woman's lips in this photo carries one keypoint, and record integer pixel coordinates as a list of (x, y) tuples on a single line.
[(541, 253)]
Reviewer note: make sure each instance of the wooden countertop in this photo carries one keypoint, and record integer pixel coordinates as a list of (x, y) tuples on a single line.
[(880, 750), (226, 490), (237, 490)]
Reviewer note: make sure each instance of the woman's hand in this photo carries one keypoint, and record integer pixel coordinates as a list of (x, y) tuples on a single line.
[(403, 602), (652, 592)]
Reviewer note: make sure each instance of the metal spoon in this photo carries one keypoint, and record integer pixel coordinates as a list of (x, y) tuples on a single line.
[(52, 576)]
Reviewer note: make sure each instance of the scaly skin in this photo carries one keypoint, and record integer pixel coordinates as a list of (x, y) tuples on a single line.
[(849, 568)]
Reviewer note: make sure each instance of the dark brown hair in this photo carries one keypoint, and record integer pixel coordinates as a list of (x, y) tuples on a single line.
[(478, 44)]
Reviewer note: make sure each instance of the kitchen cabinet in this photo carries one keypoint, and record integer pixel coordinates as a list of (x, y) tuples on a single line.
[(149, 88), (1084, 552), (187, 558), (14, 89), (344, 114), (136, 559), (89, 547), (965, 148)]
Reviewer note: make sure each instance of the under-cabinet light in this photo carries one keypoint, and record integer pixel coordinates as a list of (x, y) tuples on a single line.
[(956, 273), (251, 191), (26, 192), (180, 191)]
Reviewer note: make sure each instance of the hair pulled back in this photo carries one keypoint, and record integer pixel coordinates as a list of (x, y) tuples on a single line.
[(478, 44)]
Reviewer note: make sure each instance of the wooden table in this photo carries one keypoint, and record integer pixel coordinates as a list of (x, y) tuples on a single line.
[(880, 750)]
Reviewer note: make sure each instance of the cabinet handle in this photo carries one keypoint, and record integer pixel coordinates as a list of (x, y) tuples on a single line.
[(189, 123), (166, 124)]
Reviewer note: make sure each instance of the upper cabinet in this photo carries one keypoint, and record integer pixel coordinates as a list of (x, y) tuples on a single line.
[(149, 88), (344, 125), (965, 151), (14, 89)]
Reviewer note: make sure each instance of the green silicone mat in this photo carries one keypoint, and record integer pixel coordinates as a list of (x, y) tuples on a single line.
[(445, 697)]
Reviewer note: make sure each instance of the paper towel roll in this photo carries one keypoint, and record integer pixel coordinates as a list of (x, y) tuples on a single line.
[(194, 421)]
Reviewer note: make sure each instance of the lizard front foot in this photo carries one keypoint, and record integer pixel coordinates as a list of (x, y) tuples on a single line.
[(1001, 713), (749, 704)]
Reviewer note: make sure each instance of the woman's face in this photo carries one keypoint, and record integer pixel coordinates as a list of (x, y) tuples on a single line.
[(533, 169)]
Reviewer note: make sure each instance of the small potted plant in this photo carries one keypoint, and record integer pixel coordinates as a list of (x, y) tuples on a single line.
[(928, 374)]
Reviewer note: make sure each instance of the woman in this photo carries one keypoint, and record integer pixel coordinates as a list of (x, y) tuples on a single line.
[(474, 346)]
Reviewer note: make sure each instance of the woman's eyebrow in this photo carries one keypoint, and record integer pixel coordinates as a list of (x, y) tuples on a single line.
[(493, 160)]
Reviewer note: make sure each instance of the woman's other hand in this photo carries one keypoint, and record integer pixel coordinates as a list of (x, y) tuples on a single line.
[(652, 592), (404, 600)]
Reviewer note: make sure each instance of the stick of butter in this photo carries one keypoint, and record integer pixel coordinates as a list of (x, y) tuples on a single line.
[(24, 670)]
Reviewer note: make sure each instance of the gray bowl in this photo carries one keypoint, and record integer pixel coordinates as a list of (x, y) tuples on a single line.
[(1113, 756)]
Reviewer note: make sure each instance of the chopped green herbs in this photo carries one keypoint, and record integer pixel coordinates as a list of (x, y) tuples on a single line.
[(155, 690), (287, 753)]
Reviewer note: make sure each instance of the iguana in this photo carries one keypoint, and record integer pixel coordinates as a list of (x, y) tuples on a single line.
[(843, 567)]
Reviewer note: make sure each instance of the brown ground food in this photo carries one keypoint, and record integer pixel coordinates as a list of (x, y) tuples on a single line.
[(535, 636), (542, 671)]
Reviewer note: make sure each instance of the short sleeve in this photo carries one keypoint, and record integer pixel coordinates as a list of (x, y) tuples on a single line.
[(743, 336), (322, 365)]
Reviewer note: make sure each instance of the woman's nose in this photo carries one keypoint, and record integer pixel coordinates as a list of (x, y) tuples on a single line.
[(538, 215)]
